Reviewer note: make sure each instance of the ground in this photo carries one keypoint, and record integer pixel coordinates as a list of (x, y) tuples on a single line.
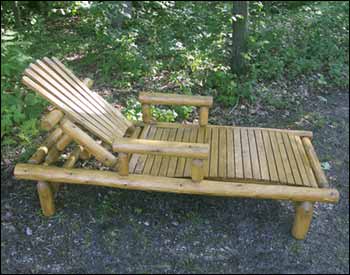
[(103, 230)]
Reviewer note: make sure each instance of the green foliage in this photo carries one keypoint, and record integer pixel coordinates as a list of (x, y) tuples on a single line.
[(311, 38), (19, 109), (172, 46), (133, 111)]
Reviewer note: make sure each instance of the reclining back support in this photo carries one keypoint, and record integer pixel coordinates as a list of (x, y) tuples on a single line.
[(52, 80)]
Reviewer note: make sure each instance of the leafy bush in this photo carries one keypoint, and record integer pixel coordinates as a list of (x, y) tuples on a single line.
[(133, 111), (19, 109), (180, 47)]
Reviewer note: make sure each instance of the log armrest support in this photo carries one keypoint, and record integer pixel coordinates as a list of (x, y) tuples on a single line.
[(147, 99), (197, 151)]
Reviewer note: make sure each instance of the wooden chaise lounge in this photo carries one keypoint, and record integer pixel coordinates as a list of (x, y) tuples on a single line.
[(197, 159)]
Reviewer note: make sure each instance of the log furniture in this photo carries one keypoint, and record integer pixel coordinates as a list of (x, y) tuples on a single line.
[(200, 159)]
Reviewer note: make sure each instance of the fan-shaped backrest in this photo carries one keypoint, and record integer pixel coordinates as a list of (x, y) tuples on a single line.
[(52, 80)]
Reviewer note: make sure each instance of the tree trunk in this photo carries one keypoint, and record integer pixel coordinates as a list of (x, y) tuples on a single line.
[(17, 14), (239, 36)]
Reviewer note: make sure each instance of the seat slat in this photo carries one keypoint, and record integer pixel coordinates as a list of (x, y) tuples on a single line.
[(292, 161), (254, 154), (193, 139), (165, 160), (306, 162), (157, 160), (230, 154), (150, 158), (214, 152), (180, 168), (207, 140), (278, 158), (270, 157), (264, 169), (238, 153), (247, 164), (222, 153), (133, 158), (271, 149), (285, 160), (142, 159), (173, 160), (299, 160)]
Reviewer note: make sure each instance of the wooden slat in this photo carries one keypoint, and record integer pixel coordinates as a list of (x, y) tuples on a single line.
[(56, 89), (117, 114), (308, 169), (134, 157), (254, 155), (142, 159), (65, 79), (61, 85), (247, 164), (214, 153), (134, 135), (67, 109), (165, 160), (299, 161), (292, 161), (222, 153), (84, 90), (264, 168), (207, 140), (277, 156), (238, 153), (230, 154), (180, 168), (193, 139), (157, 160), (173, 160), (150, 158), (285, 160)]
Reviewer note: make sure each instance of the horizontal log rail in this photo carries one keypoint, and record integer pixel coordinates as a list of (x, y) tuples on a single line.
[(204, 102), (175, 99), (175, 185), (164, 148)]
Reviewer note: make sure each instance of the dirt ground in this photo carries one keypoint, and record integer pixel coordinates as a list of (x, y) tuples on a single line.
[(103, 230)]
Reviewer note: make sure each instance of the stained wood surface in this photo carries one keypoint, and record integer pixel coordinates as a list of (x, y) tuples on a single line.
[(248, 154), (175, 99), (52, 80), (176, 185)]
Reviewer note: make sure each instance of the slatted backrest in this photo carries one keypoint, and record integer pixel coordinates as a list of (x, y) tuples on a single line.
[(52, 80)]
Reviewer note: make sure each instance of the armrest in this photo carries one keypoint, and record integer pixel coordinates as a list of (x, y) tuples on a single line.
[(198, 153), (204, 102), (163, 148), (175, 99)]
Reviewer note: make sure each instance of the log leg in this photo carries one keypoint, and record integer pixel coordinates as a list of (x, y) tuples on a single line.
[(302, 219), (46, 197)]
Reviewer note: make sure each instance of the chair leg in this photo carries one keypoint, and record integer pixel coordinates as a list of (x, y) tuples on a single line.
[(46, 197), (302, 219)]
